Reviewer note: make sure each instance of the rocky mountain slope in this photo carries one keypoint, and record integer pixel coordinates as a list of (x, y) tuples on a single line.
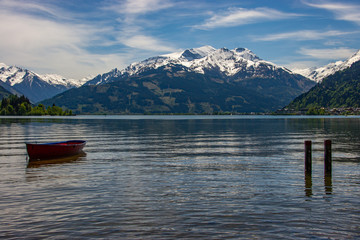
[(3, 93)]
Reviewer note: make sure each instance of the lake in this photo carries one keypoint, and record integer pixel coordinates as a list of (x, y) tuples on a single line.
[(181, 177)]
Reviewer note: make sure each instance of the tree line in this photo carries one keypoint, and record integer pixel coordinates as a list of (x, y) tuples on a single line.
[(21, 106)]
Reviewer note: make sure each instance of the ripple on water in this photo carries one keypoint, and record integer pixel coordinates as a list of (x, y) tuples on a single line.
[(188, 177)]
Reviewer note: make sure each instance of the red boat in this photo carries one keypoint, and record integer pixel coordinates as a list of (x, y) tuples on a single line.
[(54, 150)]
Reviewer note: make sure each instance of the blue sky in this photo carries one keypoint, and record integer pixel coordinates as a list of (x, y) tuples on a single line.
[(78, 38)]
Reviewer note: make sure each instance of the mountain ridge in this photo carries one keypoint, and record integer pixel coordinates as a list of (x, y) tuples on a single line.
[(200, 80), (205, 60), (318, 74), (200, 60), (221, 68), (35, 86)]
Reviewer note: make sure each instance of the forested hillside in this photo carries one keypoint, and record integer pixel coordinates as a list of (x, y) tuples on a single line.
[(340, 90)]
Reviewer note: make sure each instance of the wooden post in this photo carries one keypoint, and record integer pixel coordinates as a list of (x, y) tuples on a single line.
[(327, 157), (308, 157)]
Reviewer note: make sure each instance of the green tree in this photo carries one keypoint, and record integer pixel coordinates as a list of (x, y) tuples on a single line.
[(4, 103), (55, 111), (23, 109), (10, 110), (38, 110), (3, 112)]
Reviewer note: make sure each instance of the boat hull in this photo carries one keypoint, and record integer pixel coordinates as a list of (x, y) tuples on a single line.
[(54, 150)]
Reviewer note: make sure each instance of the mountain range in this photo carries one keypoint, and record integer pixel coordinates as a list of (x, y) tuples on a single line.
[(34, 86), (200, 80)]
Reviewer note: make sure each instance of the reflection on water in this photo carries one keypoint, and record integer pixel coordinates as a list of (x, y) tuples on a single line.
[(308, 185), (181, 177), (38, 163), (328, 183)]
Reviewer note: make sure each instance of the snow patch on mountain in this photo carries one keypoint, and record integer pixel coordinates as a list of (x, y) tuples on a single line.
[(191, 54), (200, 59), (228, 61), (11, 75), (55, 79), (318, 74)]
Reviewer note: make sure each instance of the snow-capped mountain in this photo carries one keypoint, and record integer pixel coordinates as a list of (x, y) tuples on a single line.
[(198, 80), (34, 86), (318, 74), (200, 60)]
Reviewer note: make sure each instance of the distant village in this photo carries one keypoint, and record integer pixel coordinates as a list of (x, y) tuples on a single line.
[(320, 111)]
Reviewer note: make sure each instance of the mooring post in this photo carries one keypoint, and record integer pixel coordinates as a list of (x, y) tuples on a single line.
[(308, 157), (327, 157)]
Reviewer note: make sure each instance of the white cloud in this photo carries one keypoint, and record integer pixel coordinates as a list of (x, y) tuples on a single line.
[(30, 33), (342, 11), (33, 36), (301, 35), (146, 43), (328, 54), (242, 16), (133, 24), (26, 6), (39, 43), (140, 6)]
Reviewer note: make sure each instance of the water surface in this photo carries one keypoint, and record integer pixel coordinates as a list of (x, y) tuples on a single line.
[(174, 177)]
